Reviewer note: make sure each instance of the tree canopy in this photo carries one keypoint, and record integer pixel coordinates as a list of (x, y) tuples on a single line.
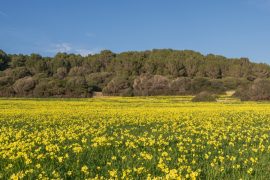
[(154, 72)]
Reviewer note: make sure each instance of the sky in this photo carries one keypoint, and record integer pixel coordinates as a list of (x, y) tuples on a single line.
[(232, 28)]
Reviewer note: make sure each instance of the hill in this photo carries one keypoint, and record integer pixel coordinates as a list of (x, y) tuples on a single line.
[(155, 72)]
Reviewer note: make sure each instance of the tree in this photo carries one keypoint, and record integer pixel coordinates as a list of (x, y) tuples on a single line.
[(19, 72), (176, 68), (76, 86), (151, 72), (77, 71), (17, 61), (97, 81), (3, 60), (50, 87), (61, 72), (35, 64)]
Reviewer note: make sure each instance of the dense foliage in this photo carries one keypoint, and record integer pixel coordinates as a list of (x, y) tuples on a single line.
[(156, 72), (133, 138), (204, 97), (256, 91)]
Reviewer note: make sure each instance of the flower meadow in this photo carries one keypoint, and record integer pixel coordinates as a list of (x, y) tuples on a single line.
[(133, 138)]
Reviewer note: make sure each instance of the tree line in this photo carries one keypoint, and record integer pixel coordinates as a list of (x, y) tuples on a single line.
[(133, 73)]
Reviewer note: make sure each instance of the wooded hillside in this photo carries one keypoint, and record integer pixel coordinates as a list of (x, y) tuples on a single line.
[(156, 72)]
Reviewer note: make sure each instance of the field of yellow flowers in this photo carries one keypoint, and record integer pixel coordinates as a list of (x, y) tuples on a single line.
[(133, 138)]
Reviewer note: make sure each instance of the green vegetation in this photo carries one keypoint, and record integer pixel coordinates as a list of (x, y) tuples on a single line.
[(204, 97), (145, 73)]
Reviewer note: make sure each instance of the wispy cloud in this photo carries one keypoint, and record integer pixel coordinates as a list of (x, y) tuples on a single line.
[(2, 13), (69, 48), (85, 52), (62, 47)]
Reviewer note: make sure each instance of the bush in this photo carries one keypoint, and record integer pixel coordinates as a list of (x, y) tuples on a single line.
[(259, 90), (24, 85), (20, 72), (76, 86), (242, 92), (118, 86), (42, 89), (199, 84), (98, 80), (7, 91), (5, 80), (216, 86), (149, 85), (180, 86), (204, 97), (231, 83)]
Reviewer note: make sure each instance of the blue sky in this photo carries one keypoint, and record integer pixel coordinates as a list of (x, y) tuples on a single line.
[(233, 28)]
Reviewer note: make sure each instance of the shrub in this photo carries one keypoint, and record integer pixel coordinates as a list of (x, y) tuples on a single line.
[(98, 80), (146, 85), (204, 97), (199, 84), (20, 72), (180, 86), (5, 80), (216, 86), (258, 90), (76, 86), (242, 93), (118, 86), (24, 85)]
